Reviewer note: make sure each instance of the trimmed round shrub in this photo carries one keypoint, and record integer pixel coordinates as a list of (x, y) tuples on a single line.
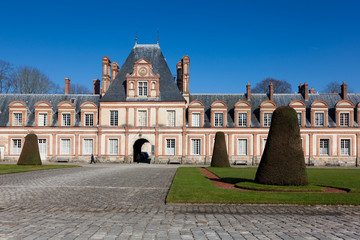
[(282, 162), (30, 154), (220, 157)]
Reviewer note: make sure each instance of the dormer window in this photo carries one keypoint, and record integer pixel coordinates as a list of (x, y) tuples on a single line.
[(89, 119), (299, 117), (219, 120), (66, 119), (17, 121), (142, 82), (143, 89), (242, 118), (344, 119), (218, 114), (43, 119), (267, 119), (319, 119)]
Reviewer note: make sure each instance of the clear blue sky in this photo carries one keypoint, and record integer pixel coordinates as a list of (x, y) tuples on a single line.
[(229, 43)]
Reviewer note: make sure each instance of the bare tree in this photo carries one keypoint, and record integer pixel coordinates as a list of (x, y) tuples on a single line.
[(30, 80), (335, 87), (79, 89), (5, 80), (280, 86)]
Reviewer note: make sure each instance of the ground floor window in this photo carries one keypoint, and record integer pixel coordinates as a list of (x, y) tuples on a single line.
[(42, 147), (345, 147), (170, 146), (242, 146), (195, 146), (324, 146), (88, 146), (113, 146), (65, 147), (16, 146)]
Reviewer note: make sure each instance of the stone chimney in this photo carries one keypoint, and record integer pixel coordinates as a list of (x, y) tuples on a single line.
[(179, 81), (248, 92), (106, 74), (344, 91), (115, 70), (67, 85), (183, 76), (300, 88), (271, 92), (304, 91), (96, 86), (312, 91)]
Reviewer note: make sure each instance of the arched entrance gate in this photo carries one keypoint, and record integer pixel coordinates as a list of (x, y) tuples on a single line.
[(138, 154)]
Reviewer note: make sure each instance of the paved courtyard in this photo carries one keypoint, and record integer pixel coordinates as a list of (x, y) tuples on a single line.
[(127, 202)]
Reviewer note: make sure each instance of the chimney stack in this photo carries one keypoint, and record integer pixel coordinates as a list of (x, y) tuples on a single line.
[(179, 76), (96, 86), (106, 74), (304, 91), (67, 85), (312, 91), (115, 70), (300, 88), (248, 92), (344, 91), (271, 91)]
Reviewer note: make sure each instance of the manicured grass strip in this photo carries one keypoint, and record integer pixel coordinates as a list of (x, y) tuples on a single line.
[(13, 168), (191, 186), (262, 187), (347, 179)]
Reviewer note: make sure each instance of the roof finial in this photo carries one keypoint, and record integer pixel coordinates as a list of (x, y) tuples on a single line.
[(157, 38), (136, 38)]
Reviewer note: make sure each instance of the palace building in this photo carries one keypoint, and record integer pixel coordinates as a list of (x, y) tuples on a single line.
[(141, 108)]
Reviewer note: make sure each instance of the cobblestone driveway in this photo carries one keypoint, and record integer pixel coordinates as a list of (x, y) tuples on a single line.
[(127, 202)]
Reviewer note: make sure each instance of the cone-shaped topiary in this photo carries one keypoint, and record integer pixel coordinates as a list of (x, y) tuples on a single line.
[(282, 162), (30, 154), (220, 156)]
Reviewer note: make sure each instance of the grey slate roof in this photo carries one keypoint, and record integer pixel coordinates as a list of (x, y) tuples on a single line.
[(54, 99), (151, 52), (280, 99)]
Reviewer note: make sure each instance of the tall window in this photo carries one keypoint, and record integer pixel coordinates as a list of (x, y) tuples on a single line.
[(324, 146), (42, 147), (17, 121), (345, 147), (242, 146), (89, 119), (170, 146), (142, 118), (319, 119), (171, 118), (242, 119), (88, 146), (113, 146), (16, 146), (195, 119), (267, 119), (66, 119), (42, 119), (299, 118), (344, 119), (195, 146), (114, 118), (143, 88), (65, 147), (218, 119)]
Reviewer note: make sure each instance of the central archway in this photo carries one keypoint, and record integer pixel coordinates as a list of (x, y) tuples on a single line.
[(139, 156)]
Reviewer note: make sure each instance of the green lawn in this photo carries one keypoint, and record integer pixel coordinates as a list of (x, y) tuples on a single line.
[(191, 186), (13, 168)]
